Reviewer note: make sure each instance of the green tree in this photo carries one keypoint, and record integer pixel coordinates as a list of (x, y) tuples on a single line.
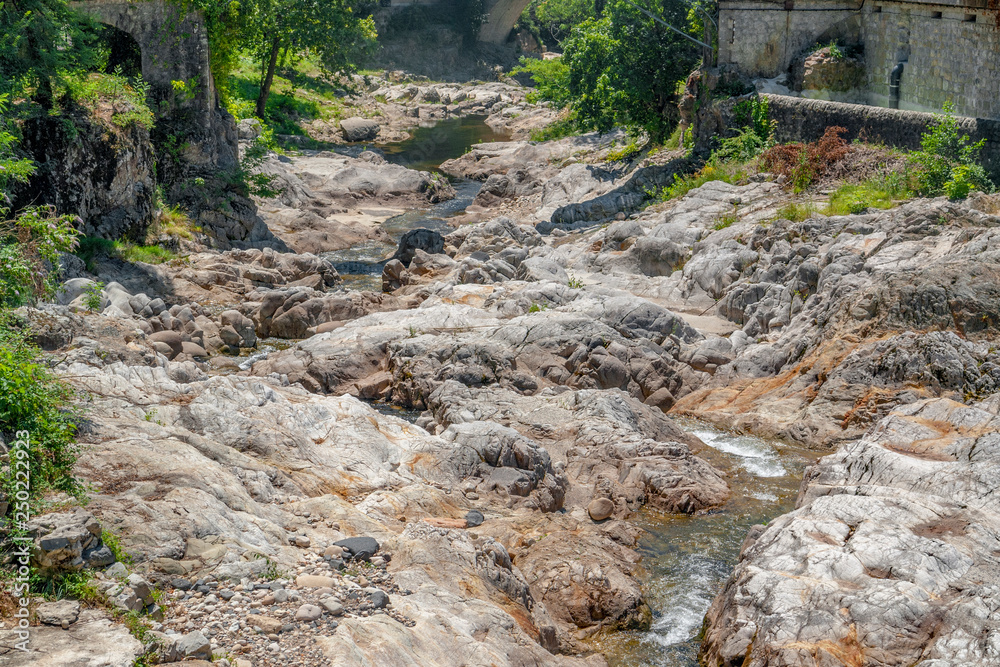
[(15, 169), (624, 68), (329, 28), (39, 41), (555, 19)]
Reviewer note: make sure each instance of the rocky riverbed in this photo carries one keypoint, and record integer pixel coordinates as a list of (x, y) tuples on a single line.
[(544, 338)]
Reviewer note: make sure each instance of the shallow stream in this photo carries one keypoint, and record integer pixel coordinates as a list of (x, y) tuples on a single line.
[(425, 150), (687, 559)]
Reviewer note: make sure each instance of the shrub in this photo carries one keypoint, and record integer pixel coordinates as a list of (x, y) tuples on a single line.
[(745, 146), (29, 245), (93, 297), (34, 400), (803, 164), (551, 79), (754, 114), (949, 161)]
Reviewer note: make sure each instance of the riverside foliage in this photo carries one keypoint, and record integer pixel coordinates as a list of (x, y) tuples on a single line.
[(621, 70)]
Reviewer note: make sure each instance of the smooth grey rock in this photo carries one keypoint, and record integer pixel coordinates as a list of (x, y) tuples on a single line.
[(308, 613), (359, 548), (62, 612), (359, 129)]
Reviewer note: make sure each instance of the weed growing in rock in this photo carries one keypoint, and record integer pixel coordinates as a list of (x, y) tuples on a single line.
[(112, 542), (796, 212), (575, 283), (728, 220), (803, 164), (173, 221), (74, 585), (92, 296), (125, 98), (854, 199)]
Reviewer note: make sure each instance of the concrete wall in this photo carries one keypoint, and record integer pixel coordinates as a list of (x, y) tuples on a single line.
[(951, 48), (800, 119)]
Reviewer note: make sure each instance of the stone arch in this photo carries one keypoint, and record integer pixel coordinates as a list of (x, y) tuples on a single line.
[(124, 52), (174, 51), (503, 14)]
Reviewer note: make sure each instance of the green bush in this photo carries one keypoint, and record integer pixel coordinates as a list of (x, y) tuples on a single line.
[(551, 79), (754, 115), (949, 160), (29, 245), (34, 400), (745, 146)]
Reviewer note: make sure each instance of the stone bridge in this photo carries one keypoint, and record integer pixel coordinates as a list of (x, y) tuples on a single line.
[(503, 14), (195, 135)]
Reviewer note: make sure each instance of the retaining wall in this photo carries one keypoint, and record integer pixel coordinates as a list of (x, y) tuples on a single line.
[(801, 119)]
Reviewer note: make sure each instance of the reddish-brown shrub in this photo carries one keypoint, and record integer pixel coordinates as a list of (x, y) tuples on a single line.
[(803, 164)]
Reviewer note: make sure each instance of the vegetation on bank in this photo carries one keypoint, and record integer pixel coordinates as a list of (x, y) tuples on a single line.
[(862, 175), (32, 399), (605, 80)]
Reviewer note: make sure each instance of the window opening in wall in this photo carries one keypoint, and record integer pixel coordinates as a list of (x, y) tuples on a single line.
[(877, 10), (732, 32), (969, 18), (935, 15)]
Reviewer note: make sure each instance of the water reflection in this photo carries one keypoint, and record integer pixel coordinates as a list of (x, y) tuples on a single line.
[(361, 266)]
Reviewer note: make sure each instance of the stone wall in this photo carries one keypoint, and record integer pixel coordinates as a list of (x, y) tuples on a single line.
[(174, 47), (762, 37), (950, 48), (801, 119), (950, 51)]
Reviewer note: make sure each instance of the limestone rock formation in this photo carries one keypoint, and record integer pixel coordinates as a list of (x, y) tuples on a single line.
[(890, 553)]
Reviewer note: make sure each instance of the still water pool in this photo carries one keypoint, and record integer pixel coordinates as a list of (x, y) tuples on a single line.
[(425, 150)]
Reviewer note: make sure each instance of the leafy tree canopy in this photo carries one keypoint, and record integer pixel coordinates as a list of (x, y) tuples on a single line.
[(331, 29), (623, 69), (40, 40)]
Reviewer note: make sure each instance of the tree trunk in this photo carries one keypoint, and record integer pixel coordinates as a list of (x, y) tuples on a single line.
[(265, 85)]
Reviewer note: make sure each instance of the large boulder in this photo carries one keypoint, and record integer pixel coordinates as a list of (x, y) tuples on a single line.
[(64, 541), (359, 129), (418, 239)]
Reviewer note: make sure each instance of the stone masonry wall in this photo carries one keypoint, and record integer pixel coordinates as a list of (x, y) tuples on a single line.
[(801, 119), (950, 52), (761, 37), (950, 48)]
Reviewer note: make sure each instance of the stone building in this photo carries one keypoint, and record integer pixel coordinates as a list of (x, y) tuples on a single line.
[(910, 55)]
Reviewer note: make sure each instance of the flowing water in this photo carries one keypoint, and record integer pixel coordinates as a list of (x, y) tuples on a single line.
[(425, 150), (687, 559)]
